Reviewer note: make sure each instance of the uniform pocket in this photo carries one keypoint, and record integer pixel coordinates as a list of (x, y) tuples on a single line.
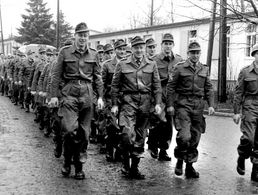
[(251, 84), (147, 76)]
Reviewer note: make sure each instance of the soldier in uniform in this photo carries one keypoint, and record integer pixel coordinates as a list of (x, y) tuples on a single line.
[(246, 108), (151, 48), (108, 51), (111, 128), (137, 79), (100, 51), (34, 87), (42, 84), (24, 78), (77, 65), (17, 63), (161, 134), (188, 87)]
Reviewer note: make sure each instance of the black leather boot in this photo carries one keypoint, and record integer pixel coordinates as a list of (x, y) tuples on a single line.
[(126, 165), (190, 172), (241, 165), (66, 169), (163, 156), (79, 173), (134, 171), (254, 175), (179, 167)]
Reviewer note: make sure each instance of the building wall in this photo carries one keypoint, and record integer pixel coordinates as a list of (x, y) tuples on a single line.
[(237, 36)]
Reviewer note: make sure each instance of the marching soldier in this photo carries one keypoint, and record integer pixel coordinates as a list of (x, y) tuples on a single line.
[(78, 66), (137, 79), (108, 51), (188, 87), (111, 128), (151, 48), (246, 107), (161, 134), (34, 86), (24, 78)]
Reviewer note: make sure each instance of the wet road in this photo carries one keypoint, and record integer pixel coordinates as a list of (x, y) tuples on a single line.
[(28, 166)]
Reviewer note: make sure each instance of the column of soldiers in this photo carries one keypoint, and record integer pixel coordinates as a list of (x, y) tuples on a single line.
[(120, 94)]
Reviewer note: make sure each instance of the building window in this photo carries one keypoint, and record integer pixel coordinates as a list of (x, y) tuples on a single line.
[(250, 41), (192, 35)]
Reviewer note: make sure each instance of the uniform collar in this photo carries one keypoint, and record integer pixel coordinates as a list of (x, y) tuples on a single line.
[(171, 55), (253, 68), (75, 49)]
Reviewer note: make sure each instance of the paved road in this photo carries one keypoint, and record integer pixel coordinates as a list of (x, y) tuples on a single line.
[(27, 164)]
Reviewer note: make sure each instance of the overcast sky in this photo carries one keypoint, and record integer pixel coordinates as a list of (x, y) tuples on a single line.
[(98, 14)]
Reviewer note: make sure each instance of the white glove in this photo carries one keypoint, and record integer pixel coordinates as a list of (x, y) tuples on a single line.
[(53, 102), (100, 104), (40, 93), (20, 83), (158, 109), (15, 82), (211, 111), (171, 110), (114, 110), (236, 118), (44, 94), (33, 92)]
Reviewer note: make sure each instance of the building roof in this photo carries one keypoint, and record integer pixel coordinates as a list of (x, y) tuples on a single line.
[(165, 26)]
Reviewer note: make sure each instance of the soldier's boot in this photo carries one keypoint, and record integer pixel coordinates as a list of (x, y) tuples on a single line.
[(190, 172), (179, 167), (241, 165), (163, 156), (110, 153), (126, 165), (66, 169), (254, 174), (27, 108), (134, 171), (79, 173), (58, 149), (48, 131)]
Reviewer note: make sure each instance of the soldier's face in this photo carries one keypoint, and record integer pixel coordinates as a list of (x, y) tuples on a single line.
[(167, 47), (138, 50), (109, 54), (151, 50), (194, 56), (121, 52), (81, 39)]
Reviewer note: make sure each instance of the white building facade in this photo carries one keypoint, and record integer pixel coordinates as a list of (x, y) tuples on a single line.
[(240, 36)]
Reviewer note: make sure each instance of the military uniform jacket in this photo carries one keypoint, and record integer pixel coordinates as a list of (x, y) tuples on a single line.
[(247, 85), (129, 77), (25, 71), (165, 68), (43, 76), (73, 65), (108, 70), (189, 82), (17, 67), (38, 70)]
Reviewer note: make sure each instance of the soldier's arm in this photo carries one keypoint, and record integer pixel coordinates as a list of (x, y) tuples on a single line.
[(41, 78), (208, 91), (35, 79), (21, 72), (171, 86), (239, 93), (98, 80), (115, 86), (104, 75), (57, 74), (157, 90)]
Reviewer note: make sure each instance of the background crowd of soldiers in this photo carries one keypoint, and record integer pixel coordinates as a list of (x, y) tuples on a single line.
[(26, 80)]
